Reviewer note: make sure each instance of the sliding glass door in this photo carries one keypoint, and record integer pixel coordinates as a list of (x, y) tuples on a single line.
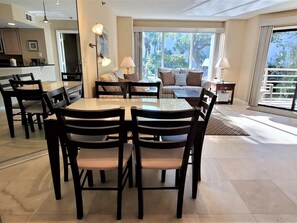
[(280, 77)]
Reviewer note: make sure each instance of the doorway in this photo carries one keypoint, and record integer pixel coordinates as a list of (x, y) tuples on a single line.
[(69, 51)]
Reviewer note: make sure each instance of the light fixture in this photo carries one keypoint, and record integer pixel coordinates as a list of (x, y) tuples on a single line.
[(44, 12), (222, 64), (97, 29), (103, 60), (127, 63), (57, 2)]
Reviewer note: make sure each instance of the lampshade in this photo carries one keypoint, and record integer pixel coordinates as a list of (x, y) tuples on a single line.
[(223, 63), (205, 62), (104, 60), (97, 28), (127, 62)]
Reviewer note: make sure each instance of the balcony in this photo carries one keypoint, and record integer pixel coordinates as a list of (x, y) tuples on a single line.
[(279, 88)]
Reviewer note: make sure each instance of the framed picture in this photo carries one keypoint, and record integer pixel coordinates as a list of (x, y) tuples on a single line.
[(33, 45), (102, 43)]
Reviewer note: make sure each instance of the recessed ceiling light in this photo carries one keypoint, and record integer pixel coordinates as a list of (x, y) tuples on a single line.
[(57, 2), (11, 24)]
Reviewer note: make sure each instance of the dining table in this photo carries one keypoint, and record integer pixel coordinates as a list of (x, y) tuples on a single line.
[(46, 86), (163, 104)]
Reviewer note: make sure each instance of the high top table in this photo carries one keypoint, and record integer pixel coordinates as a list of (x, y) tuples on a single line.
[(46, 85), (51, 129)]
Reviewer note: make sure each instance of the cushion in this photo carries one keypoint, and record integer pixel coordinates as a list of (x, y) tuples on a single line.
[(194, 78), (109, 77), (131, 77), (122, 79), (119, 74), (181, 79), (167, 78)]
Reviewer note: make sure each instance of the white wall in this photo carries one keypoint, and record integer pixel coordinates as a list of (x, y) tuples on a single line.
[(90, 13)]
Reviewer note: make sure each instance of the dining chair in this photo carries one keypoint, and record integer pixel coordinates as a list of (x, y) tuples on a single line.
[(30, 91), (58, 98), (206, 103), (10, 106), (86, 156), (75, 93), (110, 89), (163, 155), (24, 77), (144, 89), (66, 76)]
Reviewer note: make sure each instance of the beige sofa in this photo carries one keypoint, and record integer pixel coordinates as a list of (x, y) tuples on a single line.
[(180, 79)]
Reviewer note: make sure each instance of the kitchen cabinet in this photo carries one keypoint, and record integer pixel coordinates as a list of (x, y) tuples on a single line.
[(11, 41)]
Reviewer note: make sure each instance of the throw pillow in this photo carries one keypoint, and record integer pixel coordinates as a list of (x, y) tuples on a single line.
[(194, 78), (131, 77), (110, 77), (122, 80), (181, 79), (167, 78), (119, 73)]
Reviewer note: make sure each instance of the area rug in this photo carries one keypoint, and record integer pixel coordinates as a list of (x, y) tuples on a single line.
[(274, 111), (220, 124)]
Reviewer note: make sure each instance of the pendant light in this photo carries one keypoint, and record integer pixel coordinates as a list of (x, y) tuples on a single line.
[(44, 18)]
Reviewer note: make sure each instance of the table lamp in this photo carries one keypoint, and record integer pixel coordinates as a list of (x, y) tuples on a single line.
[(222, 64), (127, 63)]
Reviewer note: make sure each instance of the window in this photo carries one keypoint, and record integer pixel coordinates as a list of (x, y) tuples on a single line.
[(175, 50), (281, 72)]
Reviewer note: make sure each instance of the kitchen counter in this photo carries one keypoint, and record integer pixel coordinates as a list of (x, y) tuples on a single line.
[(42, 72), (42, 65)]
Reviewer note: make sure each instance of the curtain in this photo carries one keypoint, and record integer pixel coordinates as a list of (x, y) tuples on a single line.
[(261, 59), (138, 53)]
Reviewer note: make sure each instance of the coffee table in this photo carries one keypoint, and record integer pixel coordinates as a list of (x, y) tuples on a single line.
[(191, 96)]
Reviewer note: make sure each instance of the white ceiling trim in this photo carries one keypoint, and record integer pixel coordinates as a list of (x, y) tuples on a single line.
[(178, 29)]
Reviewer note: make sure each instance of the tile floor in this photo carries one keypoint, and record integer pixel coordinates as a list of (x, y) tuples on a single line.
[(244, 179)]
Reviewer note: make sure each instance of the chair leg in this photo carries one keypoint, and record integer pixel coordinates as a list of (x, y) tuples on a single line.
[(130, 169), (163, 176), (102, 176), (31, 123), (119, 195), (39, 122), (90, 178), (78, 192), (26, 126), (180, 196), (65, 161), (140, 192)]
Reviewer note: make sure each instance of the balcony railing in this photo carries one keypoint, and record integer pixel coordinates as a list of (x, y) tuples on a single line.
[(278, 87)]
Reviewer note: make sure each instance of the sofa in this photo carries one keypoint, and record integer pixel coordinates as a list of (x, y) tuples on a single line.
[(180, 79), (118, 76)]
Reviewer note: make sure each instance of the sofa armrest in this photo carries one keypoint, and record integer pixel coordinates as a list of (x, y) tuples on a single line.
[(205, 83)]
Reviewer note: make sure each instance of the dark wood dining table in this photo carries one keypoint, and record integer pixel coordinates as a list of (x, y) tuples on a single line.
[(52, 135), (46, 85)]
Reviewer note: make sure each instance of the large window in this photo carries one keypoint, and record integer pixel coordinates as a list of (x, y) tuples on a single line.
[(280, 78), (175, 50)]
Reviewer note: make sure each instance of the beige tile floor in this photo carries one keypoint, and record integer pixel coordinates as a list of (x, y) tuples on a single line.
[(244, 179)]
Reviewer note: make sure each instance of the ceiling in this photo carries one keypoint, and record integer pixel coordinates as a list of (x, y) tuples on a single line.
[(210, 10)]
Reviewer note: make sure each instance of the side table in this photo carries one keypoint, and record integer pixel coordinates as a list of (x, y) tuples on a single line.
[(225, 87)]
